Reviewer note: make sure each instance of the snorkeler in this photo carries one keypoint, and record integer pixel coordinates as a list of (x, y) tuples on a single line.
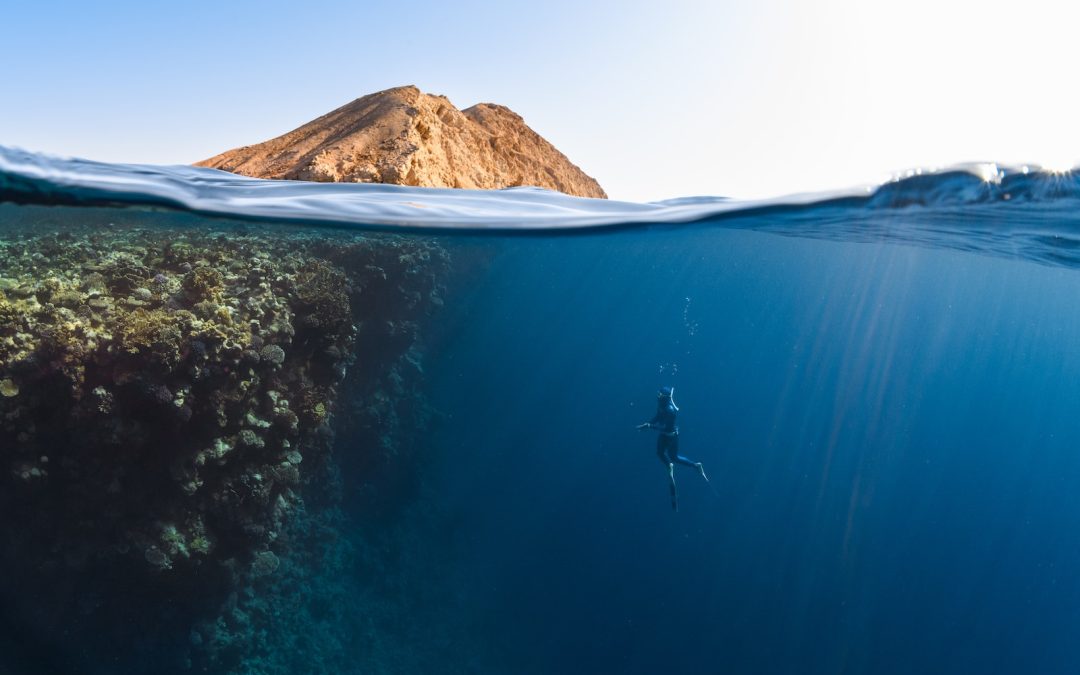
[(667, 443)]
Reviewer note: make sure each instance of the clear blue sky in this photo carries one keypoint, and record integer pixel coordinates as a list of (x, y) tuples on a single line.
[(654, 99)]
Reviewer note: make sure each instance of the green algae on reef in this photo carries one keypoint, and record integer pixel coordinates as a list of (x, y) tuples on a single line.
[(168, 394)]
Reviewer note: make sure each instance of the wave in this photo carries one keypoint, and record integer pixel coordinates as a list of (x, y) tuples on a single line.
[(1016, 211), (30, 178)]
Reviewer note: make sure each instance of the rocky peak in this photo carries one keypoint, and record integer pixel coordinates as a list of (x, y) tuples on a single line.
[(406, 137)]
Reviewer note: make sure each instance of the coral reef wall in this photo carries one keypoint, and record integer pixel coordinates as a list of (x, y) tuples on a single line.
[(169, 399)]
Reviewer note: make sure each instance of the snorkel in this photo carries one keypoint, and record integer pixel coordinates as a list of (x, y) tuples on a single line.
[(669, 394)]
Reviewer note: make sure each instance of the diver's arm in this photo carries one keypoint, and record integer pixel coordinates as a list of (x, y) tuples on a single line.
[(655, 423)]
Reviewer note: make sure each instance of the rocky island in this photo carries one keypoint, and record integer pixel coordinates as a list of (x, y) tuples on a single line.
[(403, 136)]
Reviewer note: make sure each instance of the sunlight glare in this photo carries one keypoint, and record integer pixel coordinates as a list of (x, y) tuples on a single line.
[(1058, 166)]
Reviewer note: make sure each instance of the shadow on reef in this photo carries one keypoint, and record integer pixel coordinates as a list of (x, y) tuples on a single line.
[(169, 399)]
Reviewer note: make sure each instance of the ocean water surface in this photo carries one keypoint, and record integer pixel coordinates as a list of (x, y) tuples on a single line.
[(254, 427)]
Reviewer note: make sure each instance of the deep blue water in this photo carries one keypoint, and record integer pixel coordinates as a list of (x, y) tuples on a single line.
[(883, 389), (891, 430)]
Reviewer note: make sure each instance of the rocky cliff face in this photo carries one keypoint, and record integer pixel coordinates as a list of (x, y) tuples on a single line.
[(405, 137)]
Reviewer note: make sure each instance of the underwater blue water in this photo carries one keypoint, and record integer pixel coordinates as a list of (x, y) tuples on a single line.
[(891, 431), (883, 388)]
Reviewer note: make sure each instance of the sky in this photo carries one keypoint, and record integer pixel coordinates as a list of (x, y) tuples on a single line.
[(655, 100)]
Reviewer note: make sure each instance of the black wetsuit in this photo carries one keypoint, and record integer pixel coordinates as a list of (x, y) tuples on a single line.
[(667, 443)]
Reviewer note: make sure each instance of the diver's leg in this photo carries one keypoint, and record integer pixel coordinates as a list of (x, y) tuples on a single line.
[(664, 451), (661, 449), (679, 459), (674, 492)]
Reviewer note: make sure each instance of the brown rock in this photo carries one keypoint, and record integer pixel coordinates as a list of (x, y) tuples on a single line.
[(405, 137)]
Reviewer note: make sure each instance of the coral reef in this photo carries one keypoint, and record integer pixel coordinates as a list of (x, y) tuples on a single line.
[(169, 396)]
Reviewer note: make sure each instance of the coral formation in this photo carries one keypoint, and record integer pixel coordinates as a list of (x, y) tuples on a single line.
[(168, 394)]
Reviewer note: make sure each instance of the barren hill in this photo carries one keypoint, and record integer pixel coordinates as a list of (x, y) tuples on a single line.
[(406, 137)]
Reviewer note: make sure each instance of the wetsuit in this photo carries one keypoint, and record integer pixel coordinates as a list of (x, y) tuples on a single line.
[(667, 443)]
